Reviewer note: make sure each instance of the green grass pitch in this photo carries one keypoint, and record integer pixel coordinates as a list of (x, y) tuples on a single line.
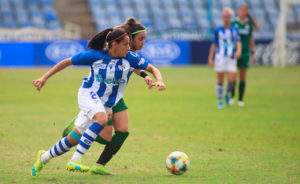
[(258, 143)]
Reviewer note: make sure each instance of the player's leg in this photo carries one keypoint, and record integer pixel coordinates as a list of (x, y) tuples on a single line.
[(121, 126), (220, 68), (231, 71), (61, 147), (242, 85), (88, 137), (231, 79), (104, 136), (69, 128), (90, 103), (220, 78)]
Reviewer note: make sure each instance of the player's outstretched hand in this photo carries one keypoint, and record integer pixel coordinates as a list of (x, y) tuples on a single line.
[(39, 83), (149, 82), (161, 85)]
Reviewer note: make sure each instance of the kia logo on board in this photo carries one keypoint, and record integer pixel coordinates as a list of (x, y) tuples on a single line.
[(60, 50), (161, 51)]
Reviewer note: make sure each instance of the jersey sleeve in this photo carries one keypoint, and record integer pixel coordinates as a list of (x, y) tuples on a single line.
[(216, 37), (136, 61), (83, 58)]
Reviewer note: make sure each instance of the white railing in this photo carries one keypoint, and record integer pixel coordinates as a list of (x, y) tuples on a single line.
[(70, 31)]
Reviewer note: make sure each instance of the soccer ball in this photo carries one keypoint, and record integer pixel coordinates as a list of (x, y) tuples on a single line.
[(177, 162)]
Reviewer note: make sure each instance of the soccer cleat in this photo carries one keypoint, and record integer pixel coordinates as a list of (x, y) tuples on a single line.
[(231, 101), (69, 128), (100, 169), (220, 105), (38, 165), (77, 166), (241, 103), (227, 100)]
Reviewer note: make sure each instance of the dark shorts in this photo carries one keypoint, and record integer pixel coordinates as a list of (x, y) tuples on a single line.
[(243, 62), (120, 106)]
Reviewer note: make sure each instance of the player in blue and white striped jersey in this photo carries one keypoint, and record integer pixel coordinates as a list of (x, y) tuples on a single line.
[(227, 48), (108, 78)]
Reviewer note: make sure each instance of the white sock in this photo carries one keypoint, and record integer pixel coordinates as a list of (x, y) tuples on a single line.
[(61, 147), (45, 157)]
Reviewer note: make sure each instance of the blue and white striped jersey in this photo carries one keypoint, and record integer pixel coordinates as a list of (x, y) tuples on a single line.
[(225, 40), (108, 76)]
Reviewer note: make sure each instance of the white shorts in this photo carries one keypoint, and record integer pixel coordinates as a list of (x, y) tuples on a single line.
[(225, 64), (89, 104)]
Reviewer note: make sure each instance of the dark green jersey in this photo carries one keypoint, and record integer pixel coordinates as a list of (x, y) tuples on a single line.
[(245, 31)]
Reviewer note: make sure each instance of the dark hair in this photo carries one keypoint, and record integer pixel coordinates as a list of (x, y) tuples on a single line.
[(98, 42), (131, 26)]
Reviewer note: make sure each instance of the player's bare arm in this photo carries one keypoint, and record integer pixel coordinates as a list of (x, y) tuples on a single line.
[(39, 83), (252, 47), (238, 52), (211, 55), (157, 75)]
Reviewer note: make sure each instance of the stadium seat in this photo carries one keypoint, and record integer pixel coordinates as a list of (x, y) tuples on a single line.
[(24, 13), (186, 14)]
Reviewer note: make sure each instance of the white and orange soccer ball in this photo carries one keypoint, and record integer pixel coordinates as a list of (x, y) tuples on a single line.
[(177, 162)]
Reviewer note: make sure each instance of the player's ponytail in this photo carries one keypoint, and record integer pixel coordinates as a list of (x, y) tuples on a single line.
[(133, 26), (98, 41), (109, 35)]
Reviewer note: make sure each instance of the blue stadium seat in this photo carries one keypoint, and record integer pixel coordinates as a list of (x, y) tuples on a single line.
[(50, 15), (161, 15), (10, 24), (148, 23), (198, 4), (47, 2), (168, 3), (53, 25), (227, 3), (183, 3), (128, 12)]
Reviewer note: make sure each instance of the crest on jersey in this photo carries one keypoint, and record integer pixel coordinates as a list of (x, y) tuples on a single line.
[(121, 67)]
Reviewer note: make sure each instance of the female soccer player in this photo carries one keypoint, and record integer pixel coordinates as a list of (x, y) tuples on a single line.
[(227, 43), (111, 63), (248, 48), (137, 32)]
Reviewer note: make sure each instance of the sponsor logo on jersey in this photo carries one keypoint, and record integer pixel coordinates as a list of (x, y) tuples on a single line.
[(60, 50), (141, 62), (101, 65), (113, 81)]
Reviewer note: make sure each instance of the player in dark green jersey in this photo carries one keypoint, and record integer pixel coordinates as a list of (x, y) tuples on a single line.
[(245, 24)]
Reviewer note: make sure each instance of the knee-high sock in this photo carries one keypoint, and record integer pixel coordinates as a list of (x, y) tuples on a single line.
[(86, 141), (233, 90), (100, 140), (220, 92), (112, 147), (61, 147), (242, 87), (230, 86)]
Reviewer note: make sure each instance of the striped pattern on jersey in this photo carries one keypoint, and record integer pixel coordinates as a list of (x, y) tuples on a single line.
[(108, 77), (225, 40)]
